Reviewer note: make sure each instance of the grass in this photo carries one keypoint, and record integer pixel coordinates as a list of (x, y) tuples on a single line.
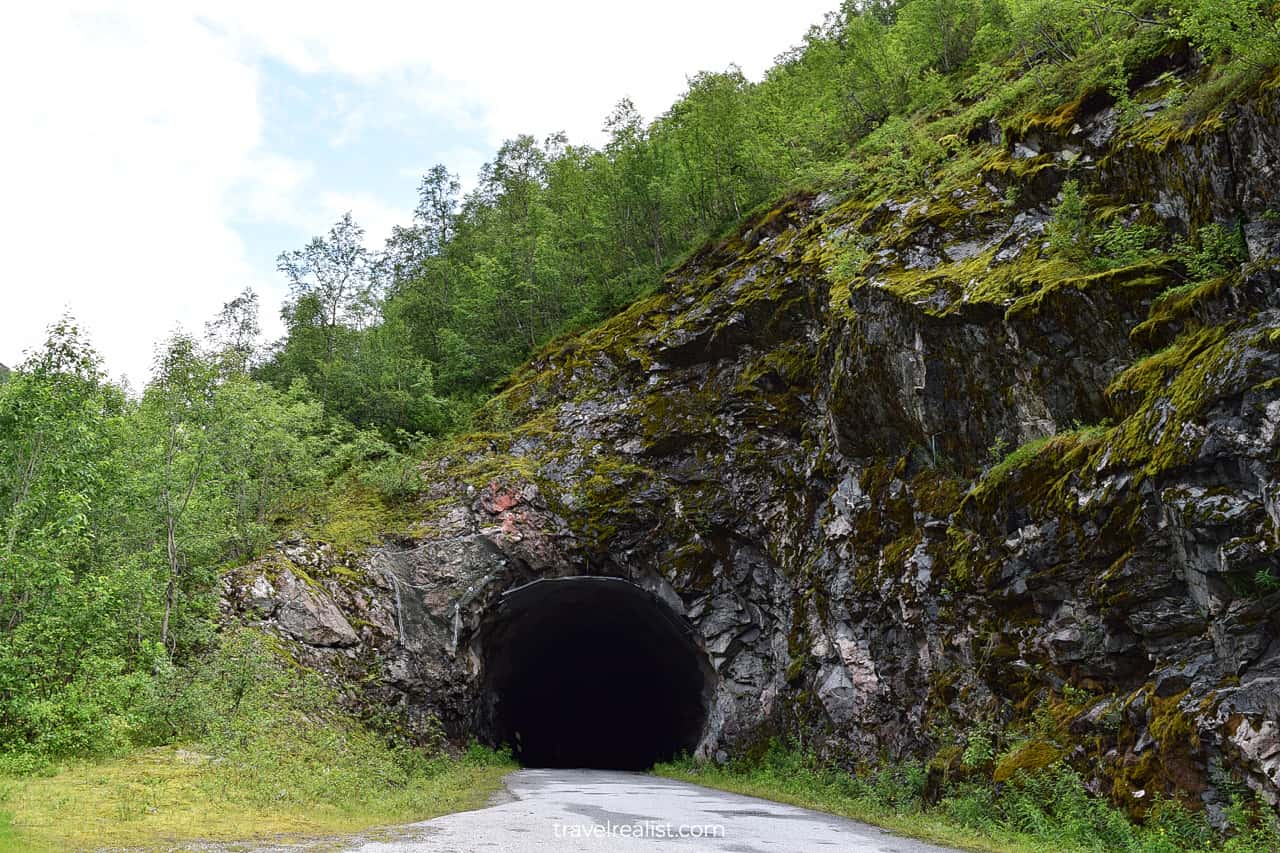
[(822, 790), (240, 744), (1047, 810), (166, 796)]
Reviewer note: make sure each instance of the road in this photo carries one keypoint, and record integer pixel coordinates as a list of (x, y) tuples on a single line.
[(571, 810)]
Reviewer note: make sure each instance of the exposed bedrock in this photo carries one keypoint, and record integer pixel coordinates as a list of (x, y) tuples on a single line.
[(789, 478)]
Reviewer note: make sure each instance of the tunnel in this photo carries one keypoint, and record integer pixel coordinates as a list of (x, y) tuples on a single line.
[(591, 672)]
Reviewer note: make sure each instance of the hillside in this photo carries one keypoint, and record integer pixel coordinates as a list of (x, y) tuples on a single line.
[(909, 471), (903, 429)]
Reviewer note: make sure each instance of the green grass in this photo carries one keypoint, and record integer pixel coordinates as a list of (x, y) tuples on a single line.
[(240, 744), (1045, 811), (8, 837), (798, 783), (166, 796)]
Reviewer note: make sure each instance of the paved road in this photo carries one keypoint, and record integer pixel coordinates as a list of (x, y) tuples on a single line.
[(571, 810)]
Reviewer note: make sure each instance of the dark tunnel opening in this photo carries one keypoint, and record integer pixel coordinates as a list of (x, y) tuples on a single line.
[(591, 672)]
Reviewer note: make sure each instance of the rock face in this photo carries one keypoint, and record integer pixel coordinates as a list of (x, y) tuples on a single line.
[(798, 461)]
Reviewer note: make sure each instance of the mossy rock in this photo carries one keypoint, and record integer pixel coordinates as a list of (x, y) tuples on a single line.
[(1031, 756), (946, 766)]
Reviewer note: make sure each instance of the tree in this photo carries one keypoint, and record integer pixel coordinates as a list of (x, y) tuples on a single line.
[(632, 171), (1236, 28), (49, 427), (267, 450), (422, 276), (409, 248), (337, 272), (437, 207), (180, 403), (58, 615), (335, 304), (937, 34), (234, 332), (710, 132), (876, 72)]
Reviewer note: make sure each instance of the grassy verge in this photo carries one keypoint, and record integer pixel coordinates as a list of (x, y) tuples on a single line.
[(1045, 811), (240, 744), (165, 796), (823, 791)]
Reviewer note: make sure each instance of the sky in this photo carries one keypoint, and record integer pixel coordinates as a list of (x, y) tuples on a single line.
[(156, 157)]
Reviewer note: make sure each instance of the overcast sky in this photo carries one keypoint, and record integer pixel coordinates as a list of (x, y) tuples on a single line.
[(155, 158)]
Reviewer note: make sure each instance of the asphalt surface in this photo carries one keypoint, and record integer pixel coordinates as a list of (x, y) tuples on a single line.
[(570, 810)]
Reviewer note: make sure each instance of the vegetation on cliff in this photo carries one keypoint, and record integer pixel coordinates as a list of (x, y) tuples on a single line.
[(882, 99)]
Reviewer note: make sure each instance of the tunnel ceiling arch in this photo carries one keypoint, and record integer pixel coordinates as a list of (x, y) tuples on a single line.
[(591, 672)]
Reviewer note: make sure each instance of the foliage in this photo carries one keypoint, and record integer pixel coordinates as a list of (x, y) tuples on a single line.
[(1068, 230), (117, 514), (1216, 250), (1239, 28), (555, 235), (1120, 245), (265, 751), (118, 511), (1047, 809), (850, 256), (979, 750)]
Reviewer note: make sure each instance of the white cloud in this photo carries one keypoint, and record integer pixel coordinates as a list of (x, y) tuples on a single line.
[(271, 188), (375, 217), (134, 156), (535, 67), (123, 134)]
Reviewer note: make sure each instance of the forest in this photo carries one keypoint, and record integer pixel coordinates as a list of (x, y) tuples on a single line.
[(122, 508)]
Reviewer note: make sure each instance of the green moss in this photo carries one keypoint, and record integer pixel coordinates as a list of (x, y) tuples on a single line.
[(1058, 122), (979, 280), (1161, 393), (1039, 470), (947, 763), (1029, 757), (937, 493), (1137, 281), (1205, 112), (1177, 308), (1170, 765), (353, 518)]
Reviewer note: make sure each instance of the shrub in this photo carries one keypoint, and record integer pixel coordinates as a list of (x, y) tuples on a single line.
[(1120, 245), (1216, 250), (1068, 230)]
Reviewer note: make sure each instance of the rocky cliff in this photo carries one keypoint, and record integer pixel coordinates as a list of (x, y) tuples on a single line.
[(799, 447)]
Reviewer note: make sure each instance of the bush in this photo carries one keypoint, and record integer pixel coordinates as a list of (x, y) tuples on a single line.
[(1120, 245), (1068, 230), (276, 735), (1216, 251), (1049, 808)]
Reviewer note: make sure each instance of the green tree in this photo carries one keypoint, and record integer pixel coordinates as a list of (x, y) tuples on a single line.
[(937, 34), (61, 620), (268, 449), (1246, 29), (234, 333), (178, 407), (336, 272)]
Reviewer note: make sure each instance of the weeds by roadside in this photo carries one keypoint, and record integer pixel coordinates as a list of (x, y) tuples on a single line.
[(1043, 810), (255, 747)]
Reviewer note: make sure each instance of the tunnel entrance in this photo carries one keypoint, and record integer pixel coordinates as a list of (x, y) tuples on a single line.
[(591, 672)]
